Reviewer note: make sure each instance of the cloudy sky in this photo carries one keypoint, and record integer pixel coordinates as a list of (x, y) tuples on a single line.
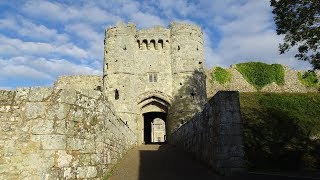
[(41, 40)]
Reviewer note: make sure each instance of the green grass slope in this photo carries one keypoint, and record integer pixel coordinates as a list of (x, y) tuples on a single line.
[(281, 130)]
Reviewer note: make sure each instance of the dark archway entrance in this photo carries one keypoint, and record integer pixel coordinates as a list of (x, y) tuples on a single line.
[(151, 134)]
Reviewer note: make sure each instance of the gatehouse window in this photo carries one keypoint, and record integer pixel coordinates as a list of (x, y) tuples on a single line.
[(116, 94), (153, 77)]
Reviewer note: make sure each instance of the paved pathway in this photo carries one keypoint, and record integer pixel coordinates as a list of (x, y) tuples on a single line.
[(152, 162), (165, 162)]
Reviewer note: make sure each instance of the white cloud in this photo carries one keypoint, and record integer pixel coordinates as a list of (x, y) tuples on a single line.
[(13, 47), (22, 71), (55, 11), (41, 32), (49, 10), (174, 9), (94, 40), (246, 35), (8, 23), (145, 20), (28, 67)]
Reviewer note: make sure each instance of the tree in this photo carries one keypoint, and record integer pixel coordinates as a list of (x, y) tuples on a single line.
[(299, 21)]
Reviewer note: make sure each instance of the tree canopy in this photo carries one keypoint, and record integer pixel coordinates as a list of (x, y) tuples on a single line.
[(299, 21)]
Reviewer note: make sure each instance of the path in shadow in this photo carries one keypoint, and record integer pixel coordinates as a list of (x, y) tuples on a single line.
[(170, 163), (163, 161), (160, 161)]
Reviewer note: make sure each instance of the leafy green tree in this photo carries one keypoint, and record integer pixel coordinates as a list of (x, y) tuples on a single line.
[(299, 21)]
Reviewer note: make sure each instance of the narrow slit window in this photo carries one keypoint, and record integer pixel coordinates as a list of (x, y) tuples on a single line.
[(153, 77), (138, 42), (116, 94), (152, 44), (160, 43)]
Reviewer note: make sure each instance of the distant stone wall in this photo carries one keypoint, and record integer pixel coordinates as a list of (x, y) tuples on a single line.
[(63, 134), (238, 83), (79, 82), (214, 136)]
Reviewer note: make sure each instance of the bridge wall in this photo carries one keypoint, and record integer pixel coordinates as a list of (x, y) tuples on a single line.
[(213, 136), (62, 134)]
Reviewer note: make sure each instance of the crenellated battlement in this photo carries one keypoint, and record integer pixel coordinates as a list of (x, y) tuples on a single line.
[(158, 44)]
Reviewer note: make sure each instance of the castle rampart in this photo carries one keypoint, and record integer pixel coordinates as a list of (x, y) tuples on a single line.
[(62, 134)]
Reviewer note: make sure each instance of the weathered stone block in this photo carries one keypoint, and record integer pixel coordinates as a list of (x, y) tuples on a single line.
[(41, 126), (59, 111), (229, 129), (54, 142), (68, 174), (60, 127), (6, 97), (39, 93), (91, 93), (85, 159), (63, 158), (85, 102), (86, 172), (5, 108), (67, 96), (22, 95), (77, 114), (35, 110), (84, 145)]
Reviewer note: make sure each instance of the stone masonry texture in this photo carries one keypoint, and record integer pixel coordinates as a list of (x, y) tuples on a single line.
[(62, 134), (213, 136)]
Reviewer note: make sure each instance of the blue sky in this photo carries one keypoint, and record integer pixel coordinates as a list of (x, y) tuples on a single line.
[(41, 40)]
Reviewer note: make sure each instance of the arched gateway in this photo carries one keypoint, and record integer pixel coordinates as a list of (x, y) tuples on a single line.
[(153, 116)]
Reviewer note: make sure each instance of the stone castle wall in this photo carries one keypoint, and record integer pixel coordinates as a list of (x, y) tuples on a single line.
[(79, 82), (214, 135), (238, 83), (62, 134)]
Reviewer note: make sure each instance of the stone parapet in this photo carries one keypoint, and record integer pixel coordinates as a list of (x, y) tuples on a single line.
[(214, 135), (79, 82)]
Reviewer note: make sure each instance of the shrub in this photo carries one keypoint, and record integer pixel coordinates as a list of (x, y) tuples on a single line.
[(309, 79), (221, 75), (260, 74)]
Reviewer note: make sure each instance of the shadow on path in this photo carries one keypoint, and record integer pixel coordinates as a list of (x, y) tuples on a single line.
[(163, 161), (168, 162), (160, 161)]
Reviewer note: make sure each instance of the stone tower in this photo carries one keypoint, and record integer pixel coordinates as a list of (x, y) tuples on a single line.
[(154, 73)]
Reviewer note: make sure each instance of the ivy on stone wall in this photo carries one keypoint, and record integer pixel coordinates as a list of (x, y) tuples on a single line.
[(221, 75), (309, 79), (261, 74)]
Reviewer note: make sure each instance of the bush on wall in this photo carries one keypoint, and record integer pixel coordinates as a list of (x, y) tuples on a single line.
[(260, 74), (309, 79), (221, 75)]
